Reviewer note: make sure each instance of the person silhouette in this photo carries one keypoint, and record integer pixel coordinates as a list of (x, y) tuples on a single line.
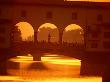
[(49, 38)]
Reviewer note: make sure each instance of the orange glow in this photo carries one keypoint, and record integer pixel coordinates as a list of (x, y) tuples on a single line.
[(26, 29), (59, 60), (10, 78), (55, 73), (73, 33), (47, 25), (91, 79), (46, 29), (22, 59), (82, 79), (91, 0), (72, 27)]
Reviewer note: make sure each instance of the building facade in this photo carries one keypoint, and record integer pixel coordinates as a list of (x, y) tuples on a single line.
[(92, 17)]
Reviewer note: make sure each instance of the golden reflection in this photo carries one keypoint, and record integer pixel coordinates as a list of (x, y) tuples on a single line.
[(59, 60), (90, 0), (12, 78), (22, 59), (60, 68), (91, 79), (17, 79)]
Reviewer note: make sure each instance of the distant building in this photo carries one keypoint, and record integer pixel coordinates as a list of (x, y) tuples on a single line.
[(99, 37), (16, 35), (5, 25), (30, 38)]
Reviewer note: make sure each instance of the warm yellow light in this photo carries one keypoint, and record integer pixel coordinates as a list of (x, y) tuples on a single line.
[(46, 29), (56, 73), (48, 26), (91, 79), (22, 59), (59, 60), (10, 78), (90, 0), (72, 27), (26, 29)]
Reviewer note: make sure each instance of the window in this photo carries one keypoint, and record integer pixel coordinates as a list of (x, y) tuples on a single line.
[(106, 44), (94, 35), (106, 34), (49, 14), (2, 39), (94, 45), (74, 16), (23, 13), (99, 17)]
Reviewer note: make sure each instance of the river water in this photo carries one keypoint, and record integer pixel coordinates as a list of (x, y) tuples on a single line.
[(51, 68)]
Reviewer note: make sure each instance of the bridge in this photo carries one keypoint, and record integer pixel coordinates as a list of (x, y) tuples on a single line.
[(92, 17)]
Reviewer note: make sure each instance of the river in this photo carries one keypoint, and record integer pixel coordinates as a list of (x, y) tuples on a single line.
[(51, 68)]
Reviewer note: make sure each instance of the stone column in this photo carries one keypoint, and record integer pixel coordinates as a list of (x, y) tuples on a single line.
[(36, 55), (60, 37), (35, 37)]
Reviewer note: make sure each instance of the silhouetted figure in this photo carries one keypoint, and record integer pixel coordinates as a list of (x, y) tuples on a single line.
[(49, 37)]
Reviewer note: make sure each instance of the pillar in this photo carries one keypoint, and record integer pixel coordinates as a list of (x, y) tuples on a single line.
[(35, 37), (36, 55), (60, 37)]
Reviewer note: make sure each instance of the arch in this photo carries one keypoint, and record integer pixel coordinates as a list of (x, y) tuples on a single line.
[(73, 33), (27, 31), (48, 32)]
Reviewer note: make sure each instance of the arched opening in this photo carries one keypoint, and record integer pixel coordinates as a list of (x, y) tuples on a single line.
[(22, 36), (48, 37), (48, 33), (73, 35), (27, 32)]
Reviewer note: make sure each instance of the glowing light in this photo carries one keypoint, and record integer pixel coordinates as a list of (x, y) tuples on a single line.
[(46, 29), (73, 33), (90, 0), (86, 79), (63, 73), (11, 78), (72, 27), (26, 29), (47, 79), (47, 26), (22, 59), (58, 60)]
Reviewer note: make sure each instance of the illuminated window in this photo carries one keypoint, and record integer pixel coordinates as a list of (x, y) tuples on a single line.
[(94, 45), (106, 44), (49, 14), (23, 13), (74, 16), (99, 17), (106, 34)]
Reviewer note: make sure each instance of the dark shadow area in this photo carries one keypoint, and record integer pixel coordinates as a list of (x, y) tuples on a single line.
[(37, 66)]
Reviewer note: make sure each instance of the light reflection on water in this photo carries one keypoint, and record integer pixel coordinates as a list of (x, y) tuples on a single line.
[(52, 68)]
